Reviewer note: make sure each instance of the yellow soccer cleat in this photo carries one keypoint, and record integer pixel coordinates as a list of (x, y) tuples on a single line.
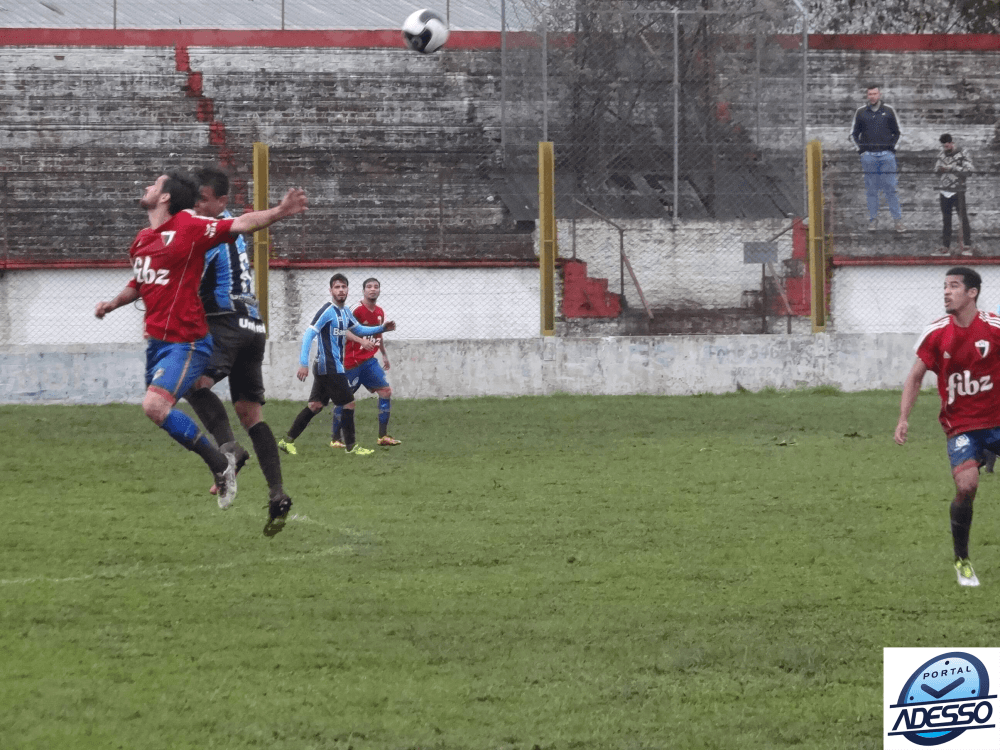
[(357, 450)]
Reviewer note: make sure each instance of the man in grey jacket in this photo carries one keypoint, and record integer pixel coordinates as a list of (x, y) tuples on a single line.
[(953, 164)]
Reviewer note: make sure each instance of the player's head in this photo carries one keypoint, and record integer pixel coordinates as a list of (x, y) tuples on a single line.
[(947, 142), (338, 288), (371, 288), (961, 289), (873, 93), (175, 190), (213, 191)]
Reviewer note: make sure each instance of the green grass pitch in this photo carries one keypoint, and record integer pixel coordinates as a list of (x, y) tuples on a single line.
[(562, 572)]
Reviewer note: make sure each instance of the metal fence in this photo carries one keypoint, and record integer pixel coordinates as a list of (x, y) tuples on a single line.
[(679, 136)]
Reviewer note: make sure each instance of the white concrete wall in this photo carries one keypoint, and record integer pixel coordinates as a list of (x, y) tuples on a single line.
[(902, 299), (46, 307), (695, 264), (664, 365)]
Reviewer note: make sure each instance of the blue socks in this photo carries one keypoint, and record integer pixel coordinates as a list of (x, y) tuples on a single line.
[(338, 420), (383, 416)]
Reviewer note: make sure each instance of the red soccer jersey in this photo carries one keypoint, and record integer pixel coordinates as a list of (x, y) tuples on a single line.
[(167, 263), (967, 364), (355, 354)]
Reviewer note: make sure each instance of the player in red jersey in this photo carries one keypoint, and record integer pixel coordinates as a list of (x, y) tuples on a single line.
[(963, 350), (167, 262), (363, 369)]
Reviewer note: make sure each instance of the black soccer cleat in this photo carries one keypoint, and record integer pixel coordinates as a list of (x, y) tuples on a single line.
[(279, 506)]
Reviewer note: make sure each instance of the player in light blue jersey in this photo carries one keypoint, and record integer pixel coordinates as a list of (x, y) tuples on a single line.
[(240, 339), (330, 328)]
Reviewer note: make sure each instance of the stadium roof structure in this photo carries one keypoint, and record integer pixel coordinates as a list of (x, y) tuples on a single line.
[(464, 15)]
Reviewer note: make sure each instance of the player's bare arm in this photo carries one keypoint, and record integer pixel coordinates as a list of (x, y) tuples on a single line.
[(385, 355), (302, 373), (293, 203), (364, 343), (127, 295), (911, 389)]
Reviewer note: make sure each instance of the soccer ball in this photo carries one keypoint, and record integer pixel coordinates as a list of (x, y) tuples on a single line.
[(425, 31)]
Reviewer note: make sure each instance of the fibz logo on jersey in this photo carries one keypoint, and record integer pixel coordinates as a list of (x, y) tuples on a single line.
[(940, 697)]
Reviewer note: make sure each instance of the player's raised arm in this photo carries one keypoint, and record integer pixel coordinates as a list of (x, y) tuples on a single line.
[(294, 202)]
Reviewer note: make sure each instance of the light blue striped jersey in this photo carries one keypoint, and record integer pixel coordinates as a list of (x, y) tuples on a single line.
[(227, 282), (329, 327)]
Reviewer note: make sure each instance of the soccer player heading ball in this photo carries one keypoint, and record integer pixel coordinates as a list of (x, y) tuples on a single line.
[(168, 258), (963, 350)]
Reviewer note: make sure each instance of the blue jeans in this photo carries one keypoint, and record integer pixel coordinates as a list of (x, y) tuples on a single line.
[(880, 175)]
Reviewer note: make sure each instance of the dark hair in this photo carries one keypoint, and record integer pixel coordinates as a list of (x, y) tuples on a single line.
[(871, 86), (215, 179), (338, 277), (946, 138), (970, 278), (370, 278), (183, 192)]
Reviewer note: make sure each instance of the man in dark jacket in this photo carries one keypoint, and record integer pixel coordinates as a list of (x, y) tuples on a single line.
[(875, 133)]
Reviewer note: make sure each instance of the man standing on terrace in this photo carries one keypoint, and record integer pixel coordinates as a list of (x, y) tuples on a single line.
[(875, 132)]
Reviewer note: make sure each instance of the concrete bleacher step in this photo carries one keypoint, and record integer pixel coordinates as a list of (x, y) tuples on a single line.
[(396, 150)]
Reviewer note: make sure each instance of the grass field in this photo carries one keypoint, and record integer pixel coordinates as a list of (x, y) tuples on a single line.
[(562, 572)]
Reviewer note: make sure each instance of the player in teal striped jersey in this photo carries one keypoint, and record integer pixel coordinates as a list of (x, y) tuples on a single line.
[(330, 327)]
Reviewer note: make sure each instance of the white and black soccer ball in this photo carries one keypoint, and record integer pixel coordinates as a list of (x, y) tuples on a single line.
[(425, 31)]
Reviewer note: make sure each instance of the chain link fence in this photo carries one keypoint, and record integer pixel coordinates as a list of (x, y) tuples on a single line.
[(678, 135), (390, 197), (679, 138)]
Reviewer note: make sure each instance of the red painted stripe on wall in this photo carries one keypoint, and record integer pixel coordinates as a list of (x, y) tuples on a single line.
[(67, 265), (909, 260), (906, 42)]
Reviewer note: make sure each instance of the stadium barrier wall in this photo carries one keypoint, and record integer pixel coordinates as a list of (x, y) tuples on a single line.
[(661, 365)]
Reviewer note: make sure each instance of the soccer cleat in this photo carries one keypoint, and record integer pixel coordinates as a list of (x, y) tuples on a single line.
[(226, 481), (966, 575), (240, 463), (386, 440), (278, 506), (872, 225), (900, 227), (337, 444), (357, 450), (287, 446)]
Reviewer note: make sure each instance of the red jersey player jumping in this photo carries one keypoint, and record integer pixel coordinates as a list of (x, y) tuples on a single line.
[(963, 350), (167, 262)]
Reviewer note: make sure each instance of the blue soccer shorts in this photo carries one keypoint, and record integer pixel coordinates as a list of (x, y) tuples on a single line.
[(368, 374), (969, 446), (172, 368)]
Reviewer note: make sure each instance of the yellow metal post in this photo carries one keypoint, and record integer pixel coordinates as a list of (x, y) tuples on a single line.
[(262, 238), (547, 250), (817, 236)]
